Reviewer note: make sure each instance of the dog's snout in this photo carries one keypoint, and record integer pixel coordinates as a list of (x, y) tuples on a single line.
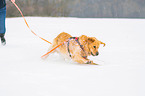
[(97, 53)]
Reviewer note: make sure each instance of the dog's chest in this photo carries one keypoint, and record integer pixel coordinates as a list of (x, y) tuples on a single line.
[(71, 51)]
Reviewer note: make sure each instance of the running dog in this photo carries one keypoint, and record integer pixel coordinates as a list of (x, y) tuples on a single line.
[(76, 48)]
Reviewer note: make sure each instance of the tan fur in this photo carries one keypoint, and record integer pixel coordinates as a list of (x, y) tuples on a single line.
[(77, 53)]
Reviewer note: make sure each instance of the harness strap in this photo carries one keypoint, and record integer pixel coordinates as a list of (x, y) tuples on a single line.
[(77, 40)]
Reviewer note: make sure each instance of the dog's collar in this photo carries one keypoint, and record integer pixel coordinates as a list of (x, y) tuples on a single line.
[(77, 40)]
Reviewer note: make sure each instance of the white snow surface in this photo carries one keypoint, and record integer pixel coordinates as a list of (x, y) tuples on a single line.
[(121, 69)]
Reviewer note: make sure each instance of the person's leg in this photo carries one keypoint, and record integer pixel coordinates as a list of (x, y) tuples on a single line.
[(2, 24)]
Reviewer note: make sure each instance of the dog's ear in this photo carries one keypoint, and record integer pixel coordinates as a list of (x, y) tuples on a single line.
[(103, 44), (91, 39), (83, 39)]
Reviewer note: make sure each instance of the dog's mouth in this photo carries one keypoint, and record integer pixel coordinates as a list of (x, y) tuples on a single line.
[(95, 54), (92, 54)]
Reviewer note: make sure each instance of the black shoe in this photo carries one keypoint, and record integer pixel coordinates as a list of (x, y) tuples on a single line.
[(3, 40)]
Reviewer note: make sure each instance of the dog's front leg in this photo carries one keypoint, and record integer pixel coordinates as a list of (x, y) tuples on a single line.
[(81, 60), (91, 62)]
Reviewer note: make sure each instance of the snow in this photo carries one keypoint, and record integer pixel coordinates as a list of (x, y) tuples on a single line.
[(121, 66)]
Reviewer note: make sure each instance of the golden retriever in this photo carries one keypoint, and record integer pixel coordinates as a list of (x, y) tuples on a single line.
[(76, 48)]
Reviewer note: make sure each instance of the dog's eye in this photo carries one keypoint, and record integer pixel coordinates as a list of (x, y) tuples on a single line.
[(94, 46)]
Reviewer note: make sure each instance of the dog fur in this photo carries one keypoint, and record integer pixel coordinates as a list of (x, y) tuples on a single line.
[(89, 44)]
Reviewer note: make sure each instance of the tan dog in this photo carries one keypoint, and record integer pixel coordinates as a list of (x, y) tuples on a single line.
[(77, 48)]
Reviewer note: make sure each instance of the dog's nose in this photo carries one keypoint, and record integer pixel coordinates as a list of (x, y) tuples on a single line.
[(97, 53)]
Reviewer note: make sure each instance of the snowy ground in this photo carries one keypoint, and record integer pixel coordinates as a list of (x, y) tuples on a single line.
[(121, 70)]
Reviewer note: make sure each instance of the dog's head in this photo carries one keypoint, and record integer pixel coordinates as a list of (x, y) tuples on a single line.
[(92, 43)]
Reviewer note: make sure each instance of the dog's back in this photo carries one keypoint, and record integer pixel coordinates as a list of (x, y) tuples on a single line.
[(61, 38)]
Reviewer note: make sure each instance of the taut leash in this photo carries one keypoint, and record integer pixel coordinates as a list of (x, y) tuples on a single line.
[(28, 25), (54, 48)]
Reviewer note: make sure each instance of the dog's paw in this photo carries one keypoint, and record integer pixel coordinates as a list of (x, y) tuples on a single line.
[(91, 62), (94, 64)]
